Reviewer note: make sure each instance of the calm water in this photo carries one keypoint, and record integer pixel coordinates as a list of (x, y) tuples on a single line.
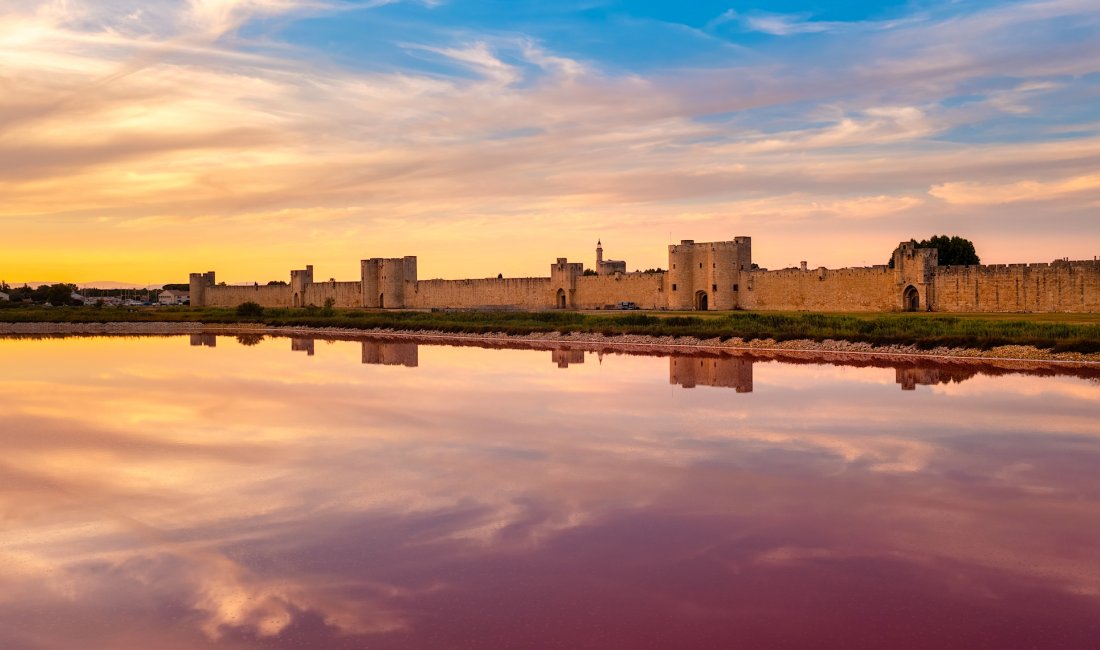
[(197, 492)]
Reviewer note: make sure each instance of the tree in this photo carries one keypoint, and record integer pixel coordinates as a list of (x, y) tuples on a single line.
[(59, 295), (249, 339), (953, 251), (177, 287), (589, 272)]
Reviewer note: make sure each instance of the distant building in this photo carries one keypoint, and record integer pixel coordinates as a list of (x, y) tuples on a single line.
[(4, 297), (173, 297), (607, 267), (76, 297)]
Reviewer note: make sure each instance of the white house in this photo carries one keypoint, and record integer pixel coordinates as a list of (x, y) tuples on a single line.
[(4, 297), (173, 297)]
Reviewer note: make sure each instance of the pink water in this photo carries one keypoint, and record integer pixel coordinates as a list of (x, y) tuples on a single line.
[(165, 493)]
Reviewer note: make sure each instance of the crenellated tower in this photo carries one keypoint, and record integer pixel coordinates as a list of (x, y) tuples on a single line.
[(388, 281), (707, 276), (914, 276), (199, 282)]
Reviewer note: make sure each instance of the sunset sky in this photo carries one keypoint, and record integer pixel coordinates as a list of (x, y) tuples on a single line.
[(140, 141)]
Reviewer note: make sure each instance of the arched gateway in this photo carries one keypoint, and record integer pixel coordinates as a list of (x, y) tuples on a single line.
[(911, 298), (560, 300), (701, 301)]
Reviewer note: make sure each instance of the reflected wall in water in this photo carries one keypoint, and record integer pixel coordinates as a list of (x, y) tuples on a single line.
[(204, 340), (912, 376), (722, 371), (306, 345), (389, 353), (565, 356)]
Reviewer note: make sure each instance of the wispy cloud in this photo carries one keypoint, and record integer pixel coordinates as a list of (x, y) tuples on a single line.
[(167, 117)]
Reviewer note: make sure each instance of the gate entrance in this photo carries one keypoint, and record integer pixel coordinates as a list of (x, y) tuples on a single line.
[(701, 301), (911, 299)]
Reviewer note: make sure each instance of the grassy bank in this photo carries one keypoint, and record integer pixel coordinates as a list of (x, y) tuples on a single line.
[(923, 330)]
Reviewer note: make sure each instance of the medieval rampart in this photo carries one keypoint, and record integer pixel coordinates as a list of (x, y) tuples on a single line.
[(488, 293), (343, 294), (598, 291), (856, 289), (701, 276), (1060, 286), (278, 295)]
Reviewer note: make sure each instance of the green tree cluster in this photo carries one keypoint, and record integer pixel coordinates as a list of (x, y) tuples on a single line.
[(953, 250), (57, 295)]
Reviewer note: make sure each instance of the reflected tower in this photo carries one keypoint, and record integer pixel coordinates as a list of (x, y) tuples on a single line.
[(724, 372), (565, 356), (387, 353), (302, 345), (205, 340), (912, 376)]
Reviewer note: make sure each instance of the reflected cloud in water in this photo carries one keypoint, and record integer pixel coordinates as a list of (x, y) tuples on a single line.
[(390, 493)]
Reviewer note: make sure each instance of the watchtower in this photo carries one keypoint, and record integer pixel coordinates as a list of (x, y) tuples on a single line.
[(707, 276), (199, 283), (914, 272)]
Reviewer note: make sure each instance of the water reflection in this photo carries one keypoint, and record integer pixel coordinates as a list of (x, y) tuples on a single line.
[(252, 496), (388, 353), (299, 344), (564, 356), (723, 369), (204, 340)]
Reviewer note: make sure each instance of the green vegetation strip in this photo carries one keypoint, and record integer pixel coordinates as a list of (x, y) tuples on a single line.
[(923, 330)]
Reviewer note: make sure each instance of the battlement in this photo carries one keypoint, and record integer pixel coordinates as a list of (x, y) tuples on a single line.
[(737, 243)]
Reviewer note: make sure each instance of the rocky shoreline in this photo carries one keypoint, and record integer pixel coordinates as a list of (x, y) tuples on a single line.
[(584, 340)]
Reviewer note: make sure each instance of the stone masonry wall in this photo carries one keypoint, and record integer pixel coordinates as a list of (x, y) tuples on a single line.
[(496, 293), (598, 291), (856, 289), (346, 294), (230, 296), (1060, 286)]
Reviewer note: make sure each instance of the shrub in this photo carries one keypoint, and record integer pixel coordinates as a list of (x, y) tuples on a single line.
[(250, 310)]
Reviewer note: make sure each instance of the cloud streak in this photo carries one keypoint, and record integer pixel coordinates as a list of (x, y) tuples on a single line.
[(171, 119)]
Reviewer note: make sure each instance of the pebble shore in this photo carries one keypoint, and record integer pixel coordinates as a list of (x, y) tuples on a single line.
[(626, 342)]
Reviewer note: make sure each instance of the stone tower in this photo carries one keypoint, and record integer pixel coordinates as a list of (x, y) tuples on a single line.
[(707, 276), (914, 274), (387, 282), (199, 283), (563, 282)]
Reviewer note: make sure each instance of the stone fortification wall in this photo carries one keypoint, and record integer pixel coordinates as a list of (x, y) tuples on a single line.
[(488, 293), (856, 289), (644, 289), (231, 296), (345, 294), (701, 276), (1059, 286)]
